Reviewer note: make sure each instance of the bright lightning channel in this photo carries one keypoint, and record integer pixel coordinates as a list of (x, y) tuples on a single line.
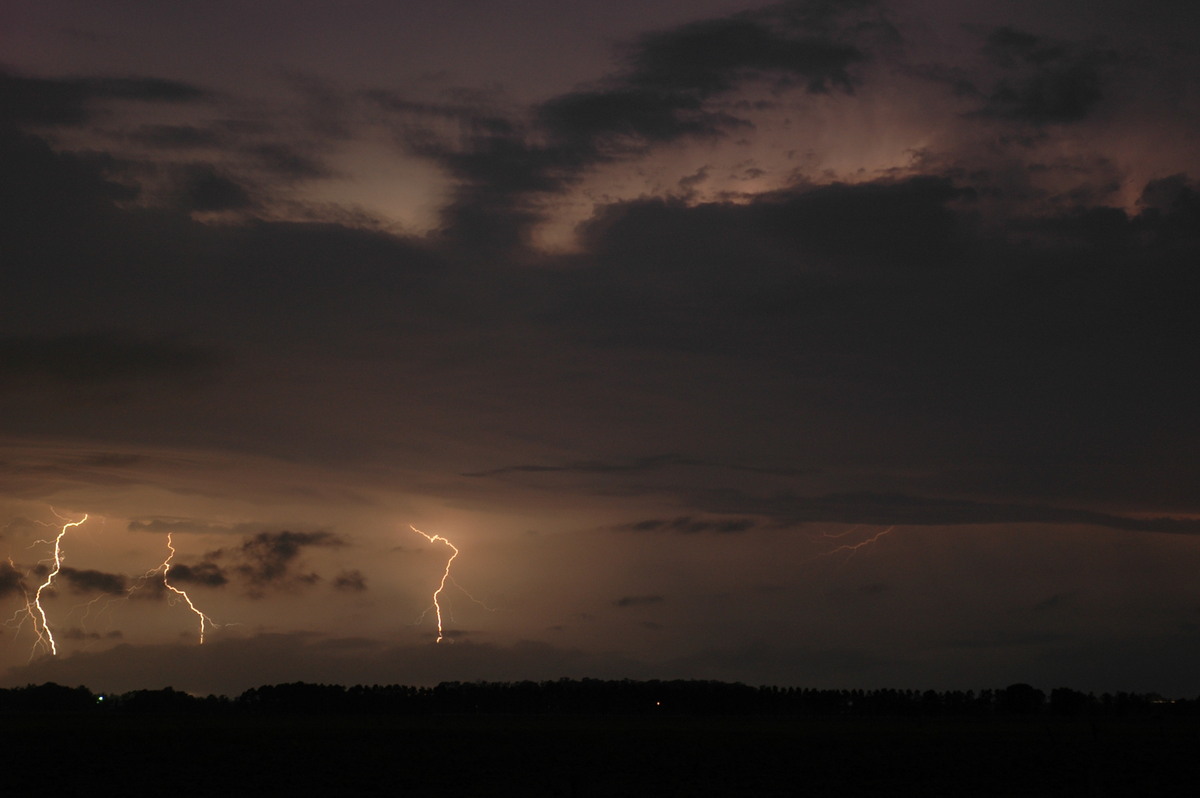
[(166, 569), (437, 606), (45, 637), (36, 612)]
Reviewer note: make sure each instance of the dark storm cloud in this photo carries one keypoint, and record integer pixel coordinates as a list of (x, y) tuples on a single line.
[(99, 357), (595, 123), (350, 581), (11, 580), (794, 234), (151, 588), (485, 148), (823, 274), (75, 633), (335, 276), (192, 527), (662, 96), (1002, 639), (709, 56), (39, 474), (208, 574), (282, 160), (898, 299), (356, 644), (1172, 210), (636, 465), (894, 509), (458, 635), (326, 110), (1046, 81), (75, 260), (90, 581), (638, 601), (193, 186), (672, 73), (269, 559), (498, 171), (203, 187), (51, 198), (176, 137), (890, 298), (287, 162), (911, 226), (1056, 602), (143, 89), (68, 226), (688, 525), (69, 101)]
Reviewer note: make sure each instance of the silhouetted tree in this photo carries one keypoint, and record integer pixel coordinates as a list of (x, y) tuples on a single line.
[(1021, 699)]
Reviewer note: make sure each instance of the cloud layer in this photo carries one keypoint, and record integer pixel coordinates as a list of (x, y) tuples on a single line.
[(761, 277)]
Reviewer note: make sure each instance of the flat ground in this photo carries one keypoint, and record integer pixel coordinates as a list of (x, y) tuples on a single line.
[(482, 755)]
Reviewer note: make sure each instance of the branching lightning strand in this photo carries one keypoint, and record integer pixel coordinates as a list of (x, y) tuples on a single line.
[(851, 548), (166, 568), (437, 606), (36, 611)]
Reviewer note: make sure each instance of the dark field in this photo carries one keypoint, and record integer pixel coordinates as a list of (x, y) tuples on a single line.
[(603, 755)]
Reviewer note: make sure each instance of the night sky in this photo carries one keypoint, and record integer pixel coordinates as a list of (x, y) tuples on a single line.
[(829, 344)]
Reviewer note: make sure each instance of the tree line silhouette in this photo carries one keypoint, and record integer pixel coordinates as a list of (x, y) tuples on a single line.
[(598, 697)]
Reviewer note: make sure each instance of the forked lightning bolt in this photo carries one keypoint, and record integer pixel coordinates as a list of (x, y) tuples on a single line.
[(36, 612), (41, 626), (437, 606), (166, 569)]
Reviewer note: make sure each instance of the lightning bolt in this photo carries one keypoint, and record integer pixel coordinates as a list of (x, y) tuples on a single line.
[(850, 548), (437, 606), (26, 612), (166, 569), (854, 547), (36, 612), (41, 626)]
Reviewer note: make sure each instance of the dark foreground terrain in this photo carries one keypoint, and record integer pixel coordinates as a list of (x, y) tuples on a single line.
[(155, 751)]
